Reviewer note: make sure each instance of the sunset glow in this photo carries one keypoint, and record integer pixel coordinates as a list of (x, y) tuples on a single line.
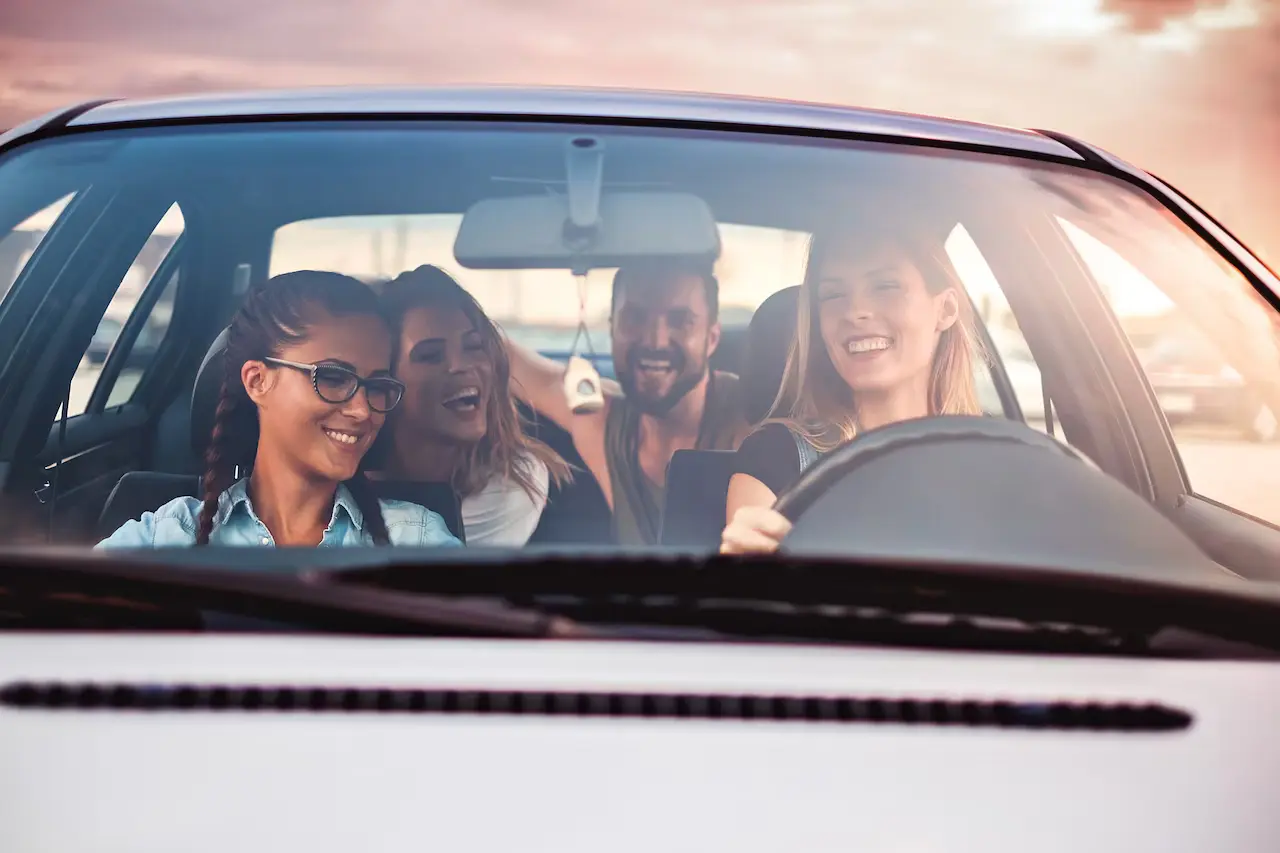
[(1191, 97)]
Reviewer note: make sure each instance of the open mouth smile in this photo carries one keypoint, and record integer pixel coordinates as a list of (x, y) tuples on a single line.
[(463, 400), (651, 366)]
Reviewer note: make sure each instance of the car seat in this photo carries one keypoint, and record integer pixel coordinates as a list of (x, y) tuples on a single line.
[(576, 513), (140, 491), (693, 514)]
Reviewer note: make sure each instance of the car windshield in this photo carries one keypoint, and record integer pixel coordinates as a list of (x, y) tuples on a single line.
[(995, 284)]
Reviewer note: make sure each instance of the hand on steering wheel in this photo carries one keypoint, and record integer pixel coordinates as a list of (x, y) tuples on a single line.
[(754, 530)]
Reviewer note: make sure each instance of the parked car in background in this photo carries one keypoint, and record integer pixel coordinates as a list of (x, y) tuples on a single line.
[(108, 332), (1195, 385)]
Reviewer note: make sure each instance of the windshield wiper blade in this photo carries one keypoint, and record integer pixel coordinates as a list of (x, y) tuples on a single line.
[(932, 627), (36, 585), (786, 595)]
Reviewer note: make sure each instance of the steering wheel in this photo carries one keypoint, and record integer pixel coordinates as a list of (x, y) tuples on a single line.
[(980, 490)]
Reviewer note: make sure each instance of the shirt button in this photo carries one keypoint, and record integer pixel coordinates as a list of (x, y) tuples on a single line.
[(265, 541)]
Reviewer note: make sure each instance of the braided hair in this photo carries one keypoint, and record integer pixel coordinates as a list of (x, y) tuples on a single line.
[(276, 315)]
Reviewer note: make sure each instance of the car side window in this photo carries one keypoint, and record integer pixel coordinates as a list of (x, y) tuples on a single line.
[(17, 247), (1211, 354), (993, 311), (129, 299)]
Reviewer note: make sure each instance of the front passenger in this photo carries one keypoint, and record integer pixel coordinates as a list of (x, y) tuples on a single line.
[(307, 387)]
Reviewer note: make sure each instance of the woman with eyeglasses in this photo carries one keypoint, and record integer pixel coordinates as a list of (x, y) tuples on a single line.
[(308, 385)]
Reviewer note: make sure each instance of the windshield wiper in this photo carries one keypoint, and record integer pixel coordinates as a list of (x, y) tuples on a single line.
[(940, 605), (471, 593), (59, 589)]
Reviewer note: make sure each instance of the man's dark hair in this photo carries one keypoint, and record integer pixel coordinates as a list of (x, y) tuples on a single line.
[(710, 284)]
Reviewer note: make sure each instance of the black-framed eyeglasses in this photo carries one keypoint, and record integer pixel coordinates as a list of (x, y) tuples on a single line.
[(337, 384)]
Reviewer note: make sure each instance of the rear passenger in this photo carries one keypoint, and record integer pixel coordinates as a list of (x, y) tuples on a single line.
[(458, 423)]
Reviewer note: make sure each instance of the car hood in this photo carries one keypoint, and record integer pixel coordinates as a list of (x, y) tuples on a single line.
[(94, 779)]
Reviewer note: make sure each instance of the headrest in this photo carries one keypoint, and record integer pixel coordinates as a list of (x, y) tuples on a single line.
[(204, 397), (769, 337)]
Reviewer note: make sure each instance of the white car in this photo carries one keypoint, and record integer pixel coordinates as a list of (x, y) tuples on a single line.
[(975, 637)]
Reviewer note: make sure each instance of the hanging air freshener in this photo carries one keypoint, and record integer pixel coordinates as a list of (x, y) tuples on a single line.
[(582, 388), (584, 163)]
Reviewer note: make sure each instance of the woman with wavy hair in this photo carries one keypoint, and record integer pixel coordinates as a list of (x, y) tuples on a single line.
[(458, 422), (884, 333)]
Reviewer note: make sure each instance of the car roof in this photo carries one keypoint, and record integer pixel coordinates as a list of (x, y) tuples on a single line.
[(568, 104)]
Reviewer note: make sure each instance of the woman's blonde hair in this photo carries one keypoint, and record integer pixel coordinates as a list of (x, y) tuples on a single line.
[(814, 401), (505, 446)]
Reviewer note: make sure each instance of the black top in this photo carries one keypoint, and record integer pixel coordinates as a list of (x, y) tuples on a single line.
[(637, 501), (769, 454)]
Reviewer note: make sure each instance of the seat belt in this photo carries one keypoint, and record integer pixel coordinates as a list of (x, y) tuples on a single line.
[(808, 454)]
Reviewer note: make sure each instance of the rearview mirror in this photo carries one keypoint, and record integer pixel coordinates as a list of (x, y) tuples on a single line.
[(536, 232)]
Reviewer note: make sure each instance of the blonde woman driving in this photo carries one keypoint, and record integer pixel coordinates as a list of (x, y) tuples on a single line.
[(884, 333)]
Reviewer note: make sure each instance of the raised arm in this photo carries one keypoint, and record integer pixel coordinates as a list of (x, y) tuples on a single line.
[(539, 381)]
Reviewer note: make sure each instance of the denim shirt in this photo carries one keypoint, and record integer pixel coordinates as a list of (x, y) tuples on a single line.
[(174, 524)]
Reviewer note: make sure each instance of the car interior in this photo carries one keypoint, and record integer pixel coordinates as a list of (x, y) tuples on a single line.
[(82, 475)]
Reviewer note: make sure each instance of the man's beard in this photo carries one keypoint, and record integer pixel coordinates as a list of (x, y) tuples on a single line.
[(686, 380)]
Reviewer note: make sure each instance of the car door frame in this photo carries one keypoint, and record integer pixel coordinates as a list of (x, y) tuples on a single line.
[(174, 262), (1243, 543), (103, 443), (112, 433), (66, 290), (1248, 545), (1036, 277)]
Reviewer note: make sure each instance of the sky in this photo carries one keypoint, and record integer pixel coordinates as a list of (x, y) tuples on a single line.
[(1187, 88), (989, 56), (1010, 61)]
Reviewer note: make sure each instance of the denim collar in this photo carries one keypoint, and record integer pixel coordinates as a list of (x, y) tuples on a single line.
[(236, 498)]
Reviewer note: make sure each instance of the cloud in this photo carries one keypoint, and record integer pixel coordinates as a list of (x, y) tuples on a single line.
[(228, 27), (970, 59), (1149, 16), (38, 86)]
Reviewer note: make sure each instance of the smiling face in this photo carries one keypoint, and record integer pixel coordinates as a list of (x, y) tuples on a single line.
[(880, 324), (448, 375), (663, 336), (323, 441)]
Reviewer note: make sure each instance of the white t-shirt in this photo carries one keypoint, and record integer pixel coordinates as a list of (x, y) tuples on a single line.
[(502, 513)]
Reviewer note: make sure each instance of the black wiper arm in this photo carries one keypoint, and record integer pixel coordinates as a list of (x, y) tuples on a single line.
[(801, 596), (40, 583)]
